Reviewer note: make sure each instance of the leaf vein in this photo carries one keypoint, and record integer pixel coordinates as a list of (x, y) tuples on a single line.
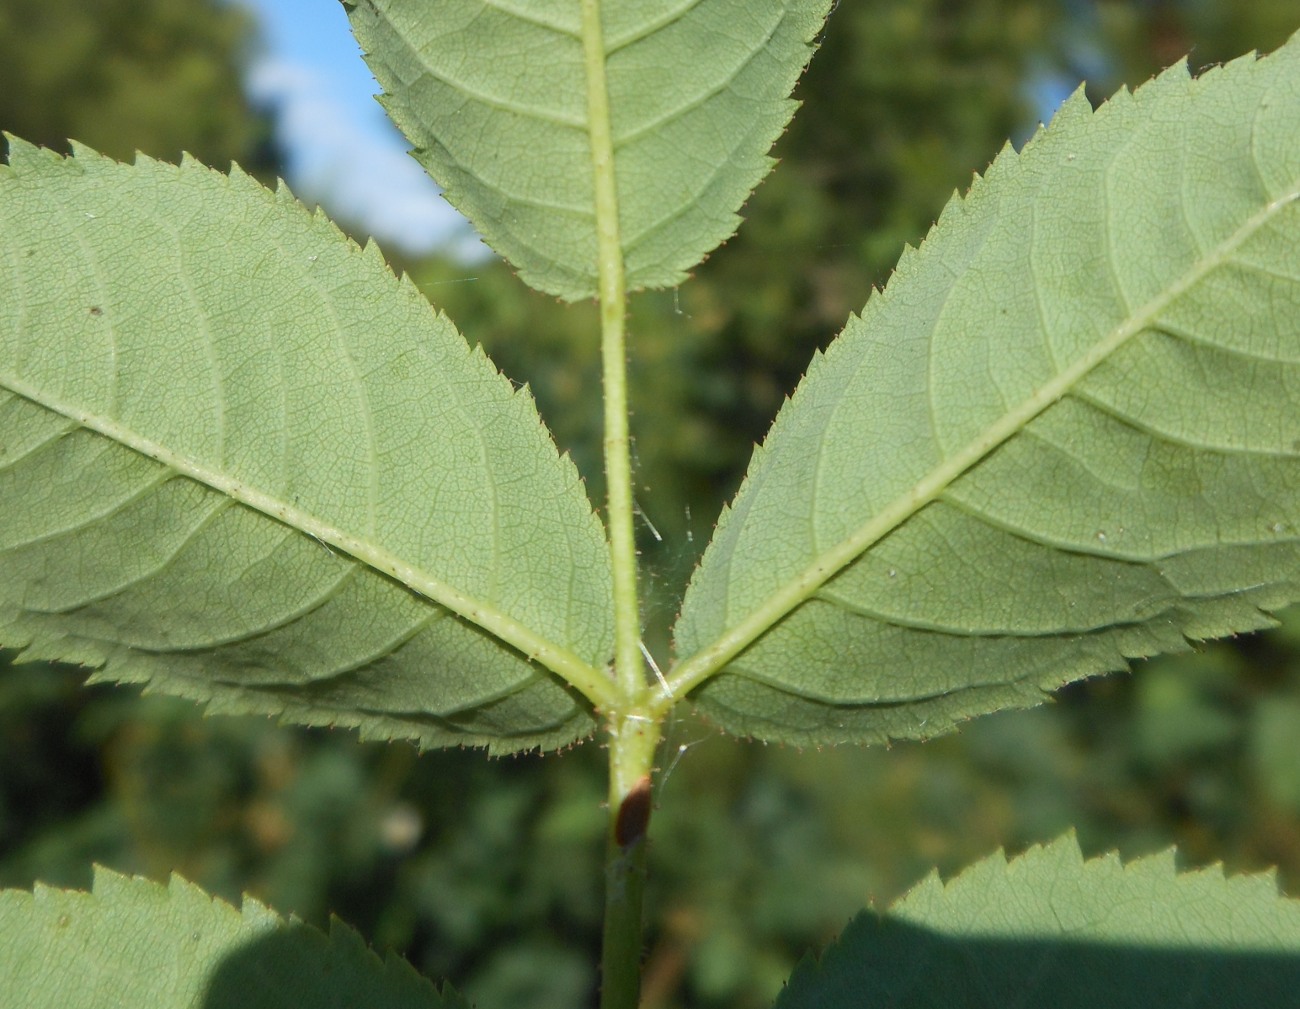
[(651, 26), (533, 18), (694, 102)]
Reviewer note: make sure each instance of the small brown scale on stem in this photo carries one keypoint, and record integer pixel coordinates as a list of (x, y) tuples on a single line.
[(633, 814)]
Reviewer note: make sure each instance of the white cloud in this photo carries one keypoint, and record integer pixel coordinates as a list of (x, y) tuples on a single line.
[(354, 164)]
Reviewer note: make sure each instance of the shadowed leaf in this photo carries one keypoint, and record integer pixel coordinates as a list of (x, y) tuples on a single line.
[(132, 942), (1048, 929)]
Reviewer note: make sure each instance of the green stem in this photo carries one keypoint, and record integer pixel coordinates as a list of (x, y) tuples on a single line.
[(633, 741), (628, 668), (632, 736), (620, 954)]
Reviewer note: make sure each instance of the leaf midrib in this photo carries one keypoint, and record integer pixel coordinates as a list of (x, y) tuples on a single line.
[(582, 675), (711, 659)]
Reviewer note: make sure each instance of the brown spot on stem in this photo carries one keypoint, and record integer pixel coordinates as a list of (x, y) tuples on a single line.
[(633, 814)]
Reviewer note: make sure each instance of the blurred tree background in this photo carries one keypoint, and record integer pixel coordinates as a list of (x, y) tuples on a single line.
[(158, 76), (488, 872)]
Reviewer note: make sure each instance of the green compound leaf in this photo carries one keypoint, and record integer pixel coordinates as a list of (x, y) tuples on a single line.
[(1050, 931), (1067, 434), (243, 463), (132, 943), (493, 95)]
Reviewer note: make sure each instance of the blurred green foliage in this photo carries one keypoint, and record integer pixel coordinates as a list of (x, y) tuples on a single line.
[(488, 872), (158, 76)]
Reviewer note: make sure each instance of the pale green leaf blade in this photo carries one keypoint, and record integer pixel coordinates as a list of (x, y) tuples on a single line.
[(1067, 434), (241, 462), (493, 96), (132, 943), (1049, 930)]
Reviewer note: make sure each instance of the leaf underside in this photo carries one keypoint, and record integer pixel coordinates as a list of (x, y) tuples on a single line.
[(132, 942), (1049, 929), (203, 386), (493, 96), (1067, 434)]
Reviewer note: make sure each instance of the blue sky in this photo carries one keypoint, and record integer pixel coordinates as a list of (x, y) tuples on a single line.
[(343, 152)]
